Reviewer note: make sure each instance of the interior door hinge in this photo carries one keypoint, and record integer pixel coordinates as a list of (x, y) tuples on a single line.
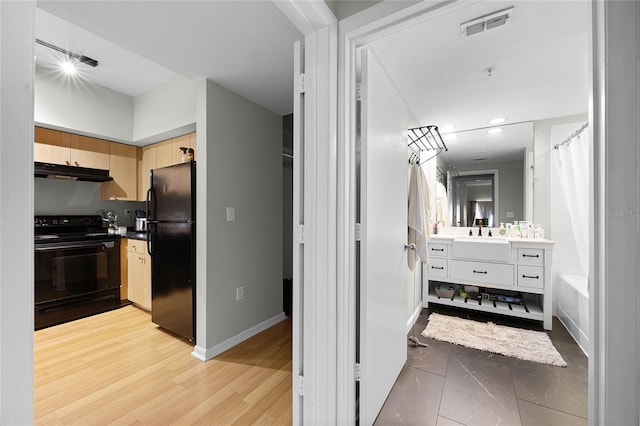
[(358, 372), (299, 390), (358, 91), (300, 83), (358, 232), (300, 238)]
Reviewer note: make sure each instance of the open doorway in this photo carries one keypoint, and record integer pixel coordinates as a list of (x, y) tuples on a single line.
[(464, 97)]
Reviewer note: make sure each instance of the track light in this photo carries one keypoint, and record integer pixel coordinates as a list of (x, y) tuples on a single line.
[(72, 56)]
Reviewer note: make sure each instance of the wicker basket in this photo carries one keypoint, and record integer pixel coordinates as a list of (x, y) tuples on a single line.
[(445, 294)]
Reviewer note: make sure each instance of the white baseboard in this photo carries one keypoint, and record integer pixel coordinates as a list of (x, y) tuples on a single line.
[(205, 354), (414, 317)]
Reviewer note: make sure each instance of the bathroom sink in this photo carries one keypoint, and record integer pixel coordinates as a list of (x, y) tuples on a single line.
[(482, 248)]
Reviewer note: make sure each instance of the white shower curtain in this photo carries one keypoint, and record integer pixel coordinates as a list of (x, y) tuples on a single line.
[(572, 161)]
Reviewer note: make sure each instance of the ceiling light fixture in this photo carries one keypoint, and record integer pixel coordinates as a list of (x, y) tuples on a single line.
[(498, 120), (447, 128), (495, 130), (69, 66), (80, 58)]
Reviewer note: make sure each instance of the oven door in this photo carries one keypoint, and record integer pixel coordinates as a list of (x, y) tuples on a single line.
[(75, 279)]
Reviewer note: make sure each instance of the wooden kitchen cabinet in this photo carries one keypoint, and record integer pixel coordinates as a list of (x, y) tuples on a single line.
[(123, 169), (54, 146), (88, 152), (161, 154), (138, 273), (51, 146), (147, 161), (164, 154)]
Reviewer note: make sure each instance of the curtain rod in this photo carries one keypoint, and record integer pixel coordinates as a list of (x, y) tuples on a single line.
[(574, 135)]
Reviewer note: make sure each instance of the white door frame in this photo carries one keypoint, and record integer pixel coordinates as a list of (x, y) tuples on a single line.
[(614, 367)]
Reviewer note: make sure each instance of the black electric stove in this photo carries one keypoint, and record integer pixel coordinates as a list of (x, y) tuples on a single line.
[(77, 268)]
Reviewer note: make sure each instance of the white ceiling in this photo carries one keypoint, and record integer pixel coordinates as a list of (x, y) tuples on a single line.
[(540, 59), (540, 63), (245, 46)]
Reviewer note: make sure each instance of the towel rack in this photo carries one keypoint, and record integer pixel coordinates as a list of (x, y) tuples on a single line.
[(426, 138)]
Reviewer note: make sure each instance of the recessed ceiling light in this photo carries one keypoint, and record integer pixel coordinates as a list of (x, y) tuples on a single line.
[(495, 130), (498, 120)]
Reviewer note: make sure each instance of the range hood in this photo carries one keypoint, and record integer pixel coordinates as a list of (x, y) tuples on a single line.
[(58, 171)]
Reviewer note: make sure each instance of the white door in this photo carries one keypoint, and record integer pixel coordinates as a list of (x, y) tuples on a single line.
[(383, 282)]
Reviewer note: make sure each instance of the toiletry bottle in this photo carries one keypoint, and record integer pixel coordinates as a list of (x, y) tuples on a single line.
[(502, 231), (530, 231), (539, 233), (509, 230), (435, 228), (515, 231)]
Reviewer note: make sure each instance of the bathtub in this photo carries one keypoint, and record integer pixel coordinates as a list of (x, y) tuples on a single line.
[(573, 307)]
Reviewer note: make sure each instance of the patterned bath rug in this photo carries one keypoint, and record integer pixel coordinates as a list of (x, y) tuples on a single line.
[(528, 345)]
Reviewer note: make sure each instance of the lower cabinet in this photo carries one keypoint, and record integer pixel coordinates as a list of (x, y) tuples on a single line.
[(138, 273)]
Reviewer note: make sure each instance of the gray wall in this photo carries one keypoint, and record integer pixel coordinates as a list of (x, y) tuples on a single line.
[(240, 166), (53, 196), (171, 105), (83, 107)]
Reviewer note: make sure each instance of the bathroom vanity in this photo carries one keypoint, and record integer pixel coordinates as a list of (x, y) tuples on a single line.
[(508, 276)]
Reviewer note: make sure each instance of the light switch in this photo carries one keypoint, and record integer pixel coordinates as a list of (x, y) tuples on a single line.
[(231, 214)]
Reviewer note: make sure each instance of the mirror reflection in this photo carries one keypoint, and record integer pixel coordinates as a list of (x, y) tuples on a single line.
[(487, 175)]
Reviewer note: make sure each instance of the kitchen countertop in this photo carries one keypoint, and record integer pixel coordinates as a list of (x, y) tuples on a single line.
[(136, 235)]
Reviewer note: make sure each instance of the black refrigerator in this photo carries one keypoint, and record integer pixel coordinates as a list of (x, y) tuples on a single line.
[(171, 229)]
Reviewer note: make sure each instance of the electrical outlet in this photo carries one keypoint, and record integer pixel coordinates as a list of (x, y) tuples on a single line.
[(127, 212), (239, 293)]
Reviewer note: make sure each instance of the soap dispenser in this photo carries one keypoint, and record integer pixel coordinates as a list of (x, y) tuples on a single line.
[(502, 231)]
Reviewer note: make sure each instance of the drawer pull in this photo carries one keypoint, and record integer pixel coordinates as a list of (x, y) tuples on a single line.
[(435, 249), (537, 277), (437, 267), (479, 272), (530, 255)]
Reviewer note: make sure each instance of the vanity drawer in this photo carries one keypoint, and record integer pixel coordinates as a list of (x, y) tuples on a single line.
[(531, 256), (481, 272), (438, 249), (438, 268), (531, 276)]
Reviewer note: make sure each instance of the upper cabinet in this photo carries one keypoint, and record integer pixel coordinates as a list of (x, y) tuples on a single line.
[(123, 163), (53, 146), (128, 165), (89, 152), (161, 154)]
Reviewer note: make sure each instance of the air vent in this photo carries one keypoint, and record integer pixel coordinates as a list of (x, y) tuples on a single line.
[(486, 22)]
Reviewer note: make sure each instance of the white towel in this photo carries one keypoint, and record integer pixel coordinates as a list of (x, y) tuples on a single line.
[(418, 216)]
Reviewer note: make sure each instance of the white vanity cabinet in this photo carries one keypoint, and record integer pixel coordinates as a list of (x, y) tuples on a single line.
[(500, 268)]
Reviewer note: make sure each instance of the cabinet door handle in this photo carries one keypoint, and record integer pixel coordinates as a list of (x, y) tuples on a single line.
[(531, 276), (435, 249), (530, 255), (479, 272), (437, 267)]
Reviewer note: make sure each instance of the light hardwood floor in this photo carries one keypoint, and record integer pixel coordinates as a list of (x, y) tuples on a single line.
[(120, 368)]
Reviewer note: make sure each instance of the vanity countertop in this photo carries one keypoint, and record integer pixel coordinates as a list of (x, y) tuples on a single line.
[(448, 237)]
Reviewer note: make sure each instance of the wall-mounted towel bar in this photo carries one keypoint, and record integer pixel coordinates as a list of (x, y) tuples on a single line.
[(426, 138)]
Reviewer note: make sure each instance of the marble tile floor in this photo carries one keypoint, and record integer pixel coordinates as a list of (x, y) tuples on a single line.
[(445, 384)]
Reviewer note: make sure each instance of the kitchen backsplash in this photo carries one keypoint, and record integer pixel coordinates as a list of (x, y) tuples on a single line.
[(53, 196)]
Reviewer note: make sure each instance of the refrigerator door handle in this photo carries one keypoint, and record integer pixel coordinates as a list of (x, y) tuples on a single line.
[(151, 199), (150, 226)]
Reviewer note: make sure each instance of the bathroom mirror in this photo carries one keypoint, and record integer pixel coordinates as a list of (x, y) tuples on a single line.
[(489, 176)]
